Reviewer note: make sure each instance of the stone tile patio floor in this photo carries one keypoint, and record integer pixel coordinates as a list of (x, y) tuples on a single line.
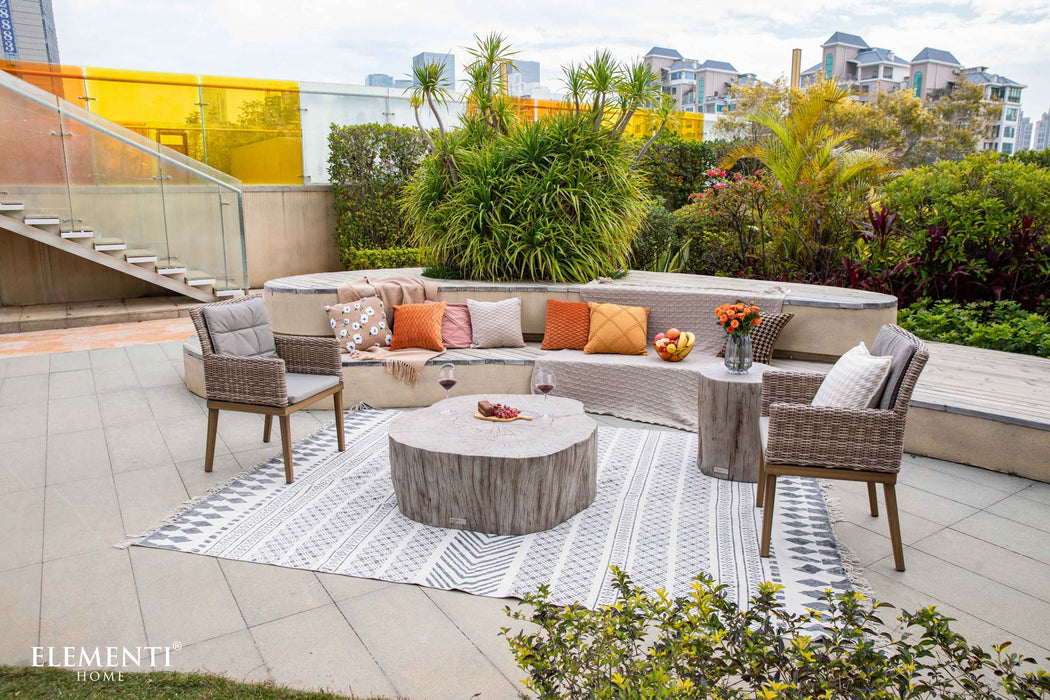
[(100, 443)]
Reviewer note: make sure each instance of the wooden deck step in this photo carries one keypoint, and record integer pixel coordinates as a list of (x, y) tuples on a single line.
[(110, 244), (196, 278), (170, 266), (137, 256), (77, 233), (228, 290), (12, 206), (41, 220)]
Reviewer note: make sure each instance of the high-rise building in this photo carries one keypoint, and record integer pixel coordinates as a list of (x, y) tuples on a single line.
[(447, 59), (379, 80), (27, 31), (1024, 133), (1041, 133), (524, 79), (848, 59), (402, 84), (697, 86)]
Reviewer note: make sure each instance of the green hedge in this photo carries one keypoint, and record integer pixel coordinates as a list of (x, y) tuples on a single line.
[(380, 258), (1000, 325), (675, 167), (368, 165)]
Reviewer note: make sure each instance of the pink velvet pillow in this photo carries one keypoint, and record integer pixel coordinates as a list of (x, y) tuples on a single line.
[(456, 331)]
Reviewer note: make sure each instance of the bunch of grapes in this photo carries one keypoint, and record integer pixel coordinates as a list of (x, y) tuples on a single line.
[(506, 411)]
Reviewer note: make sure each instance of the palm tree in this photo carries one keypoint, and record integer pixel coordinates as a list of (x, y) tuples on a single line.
[(432, 88)]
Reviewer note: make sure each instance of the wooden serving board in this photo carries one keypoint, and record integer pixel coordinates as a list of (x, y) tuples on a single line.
[(494, 419)]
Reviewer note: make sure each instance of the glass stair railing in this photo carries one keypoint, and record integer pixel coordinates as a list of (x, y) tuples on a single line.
[(92, 183)]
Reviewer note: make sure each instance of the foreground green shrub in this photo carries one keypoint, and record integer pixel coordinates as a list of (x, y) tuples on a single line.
[(368, 165), (703, 646), (993, 325), (378, 259)]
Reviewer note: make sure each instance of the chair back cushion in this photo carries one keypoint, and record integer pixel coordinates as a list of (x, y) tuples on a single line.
[(496, 324), (901, 349), (567, 325), (855, 381), (359, 325), (617, 330), (241, 329)]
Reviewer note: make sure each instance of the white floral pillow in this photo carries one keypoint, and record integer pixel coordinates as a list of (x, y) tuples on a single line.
[(359, 325)]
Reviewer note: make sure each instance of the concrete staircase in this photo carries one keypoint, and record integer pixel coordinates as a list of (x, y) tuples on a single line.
[(115, 253)]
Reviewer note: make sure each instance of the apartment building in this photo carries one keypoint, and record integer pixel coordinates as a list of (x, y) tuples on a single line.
[(27, 31), (698, 86), (447, 59), (1041, 133), (870, 70), (1024, 133)]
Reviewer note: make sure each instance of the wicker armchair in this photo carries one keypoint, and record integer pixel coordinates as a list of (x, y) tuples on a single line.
[(293, 377), (839, 443)]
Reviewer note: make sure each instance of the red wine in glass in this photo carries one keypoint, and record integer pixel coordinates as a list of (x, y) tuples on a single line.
[(545, 388), (544, 383), (447, 380)]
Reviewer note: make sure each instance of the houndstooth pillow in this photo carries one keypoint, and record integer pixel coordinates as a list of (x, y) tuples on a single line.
[(855, 381), (359, 325), (496, 324), (764, 337)]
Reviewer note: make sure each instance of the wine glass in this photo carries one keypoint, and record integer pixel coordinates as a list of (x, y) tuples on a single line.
[(447, 380), (544, 383)]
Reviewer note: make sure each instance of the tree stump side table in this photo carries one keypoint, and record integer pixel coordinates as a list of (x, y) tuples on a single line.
[(498, 478), (730, 406)]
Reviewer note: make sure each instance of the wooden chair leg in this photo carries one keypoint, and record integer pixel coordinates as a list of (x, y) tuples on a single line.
[(286, 446), (767, 513), (895, 526), (873, 501), (213, 429), (267, 427), (338, 398), (761, 489)]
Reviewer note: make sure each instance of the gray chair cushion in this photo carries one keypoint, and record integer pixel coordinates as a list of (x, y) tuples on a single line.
[(303, 386), (241, 329), (889, 343)]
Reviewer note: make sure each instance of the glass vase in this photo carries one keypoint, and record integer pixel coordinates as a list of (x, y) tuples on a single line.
[(738, 353)]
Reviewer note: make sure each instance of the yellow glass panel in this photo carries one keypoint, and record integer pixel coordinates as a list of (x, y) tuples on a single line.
[(66, 82), (160, 106), (253, 129)]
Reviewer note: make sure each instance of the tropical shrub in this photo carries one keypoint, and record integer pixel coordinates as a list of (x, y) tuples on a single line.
[(675, 167), (973, 230), (656, 236), (1040, 158), (703, 646), (380, 258), (368, 165), (558, 199), (1001, 325)]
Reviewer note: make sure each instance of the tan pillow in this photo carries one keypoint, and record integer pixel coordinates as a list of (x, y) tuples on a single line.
[(617, 330), (359, 325)]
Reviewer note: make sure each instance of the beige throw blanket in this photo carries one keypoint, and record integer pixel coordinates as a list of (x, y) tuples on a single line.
[(406, 365), (644, 387)]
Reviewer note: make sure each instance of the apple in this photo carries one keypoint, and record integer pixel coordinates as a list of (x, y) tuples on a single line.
[(660, 336), (671, 347), (673, 334)]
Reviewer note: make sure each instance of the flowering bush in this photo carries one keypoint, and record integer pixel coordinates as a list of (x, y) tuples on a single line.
[(738, 318)]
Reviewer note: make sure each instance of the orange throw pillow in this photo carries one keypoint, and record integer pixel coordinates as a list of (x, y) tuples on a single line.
[(568, 325), (418, 326), (616, 330)]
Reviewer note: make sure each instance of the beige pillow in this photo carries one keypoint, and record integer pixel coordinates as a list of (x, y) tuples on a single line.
[(855, 381), (617, 330), (496, 324)]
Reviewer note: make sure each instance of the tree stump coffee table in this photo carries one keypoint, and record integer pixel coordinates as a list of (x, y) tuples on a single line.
[(730, 442), (498, 478)]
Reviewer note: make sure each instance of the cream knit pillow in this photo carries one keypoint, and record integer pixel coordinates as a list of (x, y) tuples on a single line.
[(855, 381), (496, 324)]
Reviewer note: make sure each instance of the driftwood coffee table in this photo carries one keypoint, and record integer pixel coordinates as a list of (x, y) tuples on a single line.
[(498, 478)]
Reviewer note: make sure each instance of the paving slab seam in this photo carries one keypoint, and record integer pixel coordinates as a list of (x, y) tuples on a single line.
[(372, 656)]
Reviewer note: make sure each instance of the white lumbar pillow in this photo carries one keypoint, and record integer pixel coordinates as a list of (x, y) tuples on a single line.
[(856, 380)]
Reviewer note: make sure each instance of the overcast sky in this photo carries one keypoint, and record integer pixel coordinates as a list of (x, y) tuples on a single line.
[(344, 40)]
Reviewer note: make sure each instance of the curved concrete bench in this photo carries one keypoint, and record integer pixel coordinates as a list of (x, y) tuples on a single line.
[(972, 406)]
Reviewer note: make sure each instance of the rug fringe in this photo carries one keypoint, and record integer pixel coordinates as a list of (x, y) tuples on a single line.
[(850, 561), (180, 510)]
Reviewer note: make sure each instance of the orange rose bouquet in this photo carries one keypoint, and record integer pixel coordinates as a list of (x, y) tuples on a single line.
[(738, 319)]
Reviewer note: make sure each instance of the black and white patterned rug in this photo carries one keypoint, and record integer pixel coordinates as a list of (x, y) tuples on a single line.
[(656, 516)]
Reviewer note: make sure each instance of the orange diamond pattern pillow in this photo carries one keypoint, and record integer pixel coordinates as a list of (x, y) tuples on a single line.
[(568, 325), (616, 330), (418, 326)]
